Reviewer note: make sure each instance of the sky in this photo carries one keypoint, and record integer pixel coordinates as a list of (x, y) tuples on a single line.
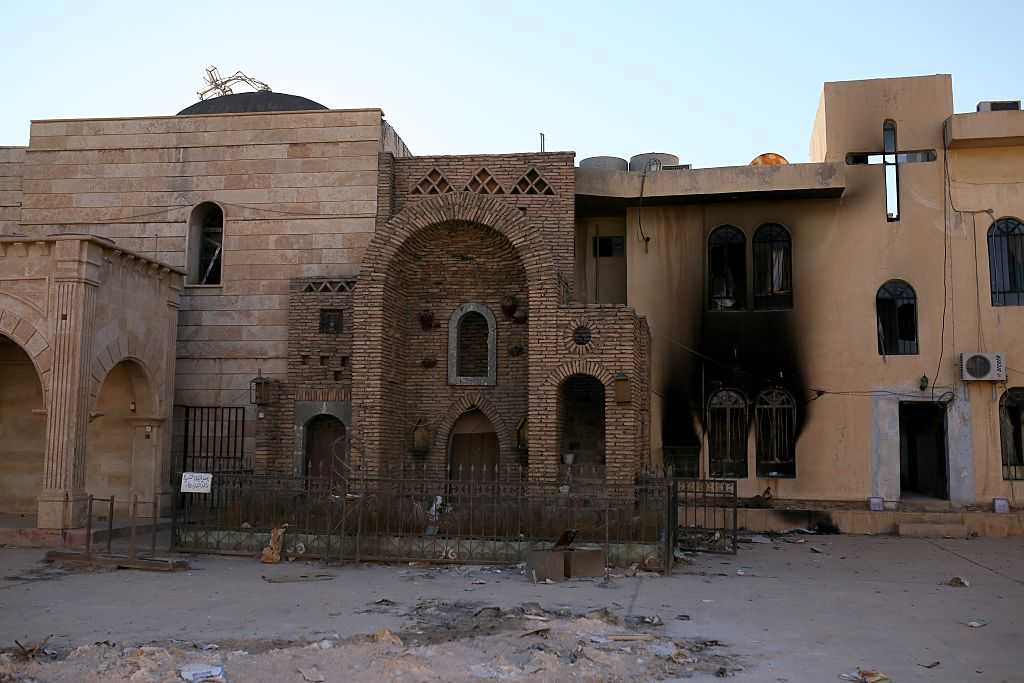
[(716, 83)]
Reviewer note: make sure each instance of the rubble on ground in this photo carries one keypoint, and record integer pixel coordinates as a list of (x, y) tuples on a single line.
[(452, 641)]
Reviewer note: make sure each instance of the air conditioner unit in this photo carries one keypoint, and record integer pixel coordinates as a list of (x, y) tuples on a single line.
[(983, 367)]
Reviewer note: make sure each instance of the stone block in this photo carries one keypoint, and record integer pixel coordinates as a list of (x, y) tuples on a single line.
[(926, 530), (543, 565), (584, 563)]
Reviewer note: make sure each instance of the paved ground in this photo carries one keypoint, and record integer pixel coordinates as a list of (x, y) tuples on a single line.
[(783, 611)]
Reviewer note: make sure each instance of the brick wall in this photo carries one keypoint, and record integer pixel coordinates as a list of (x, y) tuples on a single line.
[(458, 231), (319, 367)]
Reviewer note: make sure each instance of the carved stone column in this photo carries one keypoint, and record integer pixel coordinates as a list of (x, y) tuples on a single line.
[(63, 501)]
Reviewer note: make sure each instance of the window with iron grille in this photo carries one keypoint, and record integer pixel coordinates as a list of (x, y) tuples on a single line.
[(896, 307), (773, 268), (1011, 432), (727, 269), (1006, 262), (331, 320), (727, 434), (775, 424)]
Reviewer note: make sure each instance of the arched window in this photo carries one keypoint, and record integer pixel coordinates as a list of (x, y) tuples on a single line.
[(727, 434), (727, 269), (1006, 262), (773, 268), (472, 345), (775, 421), (1011, 432), (896, 307), (205, 244)]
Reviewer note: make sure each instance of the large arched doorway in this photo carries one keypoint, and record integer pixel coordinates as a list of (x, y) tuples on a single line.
[(22, 431), (473, 450), (581, 421), (325, 441), (121, 444)]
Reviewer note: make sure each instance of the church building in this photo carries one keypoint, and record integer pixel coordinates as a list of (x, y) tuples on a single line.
[(261, 283)]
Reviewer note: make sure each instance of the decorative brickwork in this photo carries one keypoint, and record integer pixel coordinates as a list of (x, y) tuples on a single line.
[(319, 367), (512, 253)]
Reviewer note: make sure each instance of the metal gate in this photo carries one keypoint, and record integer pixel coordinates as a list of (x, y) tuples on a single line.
[(213, 439)]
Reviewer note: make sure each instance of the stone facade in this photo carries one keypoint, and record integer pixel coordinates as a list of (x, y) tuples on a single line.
[(88, 314), (387, 295)]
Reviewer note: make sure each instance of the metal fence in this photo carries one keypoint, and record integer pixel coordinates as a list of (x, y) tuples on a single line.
[(455, 518)]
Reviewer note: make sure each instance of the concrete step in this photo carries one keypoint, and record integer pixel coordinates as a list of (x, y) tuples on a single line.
[(932, 530)]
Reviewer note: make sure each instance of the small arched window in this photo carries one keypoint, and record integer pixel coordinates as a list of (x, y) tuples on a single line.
[(727, 269), (1006, 262), (1011, 432), (896, 307), (773, 268), (727, 434), (775, 421), (205, 244), (472, 345)]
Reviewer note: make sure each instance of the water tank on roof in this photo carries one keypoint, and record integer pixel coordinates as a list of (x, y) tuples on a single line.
[(652, 161), (605, 163)]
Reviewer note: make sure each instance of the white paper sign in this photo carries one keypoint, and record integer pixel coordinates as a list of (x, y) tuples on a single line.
[(196, 482)]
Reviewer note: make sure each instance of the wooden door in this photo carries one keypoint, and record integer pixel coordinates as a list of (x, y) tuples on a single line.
[(325, 440), (474, 456)]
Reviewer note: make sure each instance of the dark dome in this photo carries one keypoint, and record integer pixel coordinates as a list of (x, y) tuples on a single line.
[(242, 102)]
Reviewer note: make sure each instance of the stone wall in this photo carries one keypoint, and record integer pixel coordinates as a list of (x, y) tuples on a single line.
[(299, 195), (11, 169)]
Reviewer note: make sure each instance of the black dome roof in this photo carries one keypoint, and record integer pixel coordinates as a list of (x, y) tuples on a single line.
[(243, 102)]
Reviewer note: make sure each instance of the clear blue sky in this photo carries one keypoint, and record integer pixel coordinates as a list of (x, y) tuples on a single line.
[(716, 83)]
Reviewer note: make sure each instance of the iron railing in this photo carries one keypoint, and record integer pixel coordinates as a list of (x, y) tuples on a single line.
[(405, 514)]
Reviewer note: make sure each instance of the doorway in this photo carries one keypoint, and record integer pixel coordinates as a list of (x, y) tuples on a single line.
[(923, 460), (325, 443), (474, 448)]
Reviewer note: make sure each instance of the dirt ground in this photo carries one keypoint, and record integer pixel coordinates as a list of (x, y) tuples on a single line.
[(794, 609)]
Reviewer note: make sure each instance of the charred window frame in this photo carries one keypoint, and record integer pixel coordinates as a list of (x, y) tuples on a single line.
[(773, 268), (896, 308), (1006, 262), (332, 320), (775, 425), (205, 245), (727, 434), (727, 269), (1011, 432)]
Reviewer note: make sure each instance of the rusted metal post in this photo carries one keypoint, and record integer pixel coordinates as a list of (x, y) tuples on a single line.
[(132, 517), (110, 523), (88, 531)]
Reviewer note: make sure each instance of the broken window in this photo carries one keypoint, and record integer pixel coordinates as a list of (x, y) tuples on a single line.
[(1011, 432), (205, 244), (896, 306), (727, 269), (1006, 262), (727, 434), (609, 245), (330, 320), (773, 268), (775, 423)]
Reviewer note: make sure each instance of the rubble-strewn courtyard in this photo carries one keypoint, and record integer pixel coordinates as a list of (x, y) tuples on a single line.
[(785, 609)]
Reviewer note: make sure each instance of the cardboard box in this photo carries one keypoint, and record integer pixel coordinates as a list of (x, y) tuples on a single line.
[(584, 563), (545, 564)]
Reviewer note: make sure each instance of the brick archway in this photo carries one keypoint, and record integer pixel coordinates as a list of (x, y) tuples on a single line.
[(379, 312), (475, 401), (579, 367)]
